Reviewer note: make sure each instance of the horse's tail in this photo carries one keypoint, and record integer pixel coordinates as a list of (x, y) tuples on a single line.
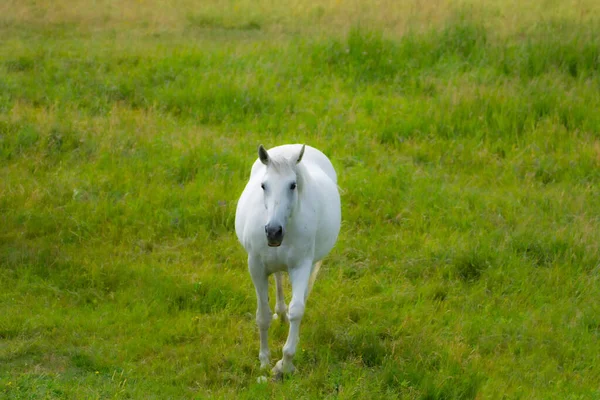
[(313, 277)]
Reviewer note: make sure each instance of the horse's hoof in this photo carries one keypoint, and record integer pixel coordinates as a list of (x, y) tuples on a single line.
[(277, 377), (278, 371)]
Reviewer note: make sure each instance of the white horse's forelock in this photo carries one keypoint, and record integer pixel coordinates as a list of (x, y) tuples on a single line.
[(281, 164)]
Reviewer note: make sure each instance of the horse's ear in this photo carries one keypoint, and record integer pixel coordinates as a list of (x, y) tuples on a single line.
[(263, 155), (301, 154)]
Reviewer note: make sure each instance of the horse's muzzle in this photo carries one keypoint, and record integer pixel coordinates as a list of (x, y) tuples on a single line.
[(274, 235)]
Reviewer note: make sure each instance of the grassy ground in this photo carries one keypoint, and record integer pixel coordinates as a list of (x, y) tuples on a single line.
[(466, 136)]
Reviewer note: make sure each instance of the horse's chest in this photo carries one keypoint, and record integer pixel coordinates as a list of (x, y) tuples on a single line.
[(275, 262), (284, 257), (272, 268)]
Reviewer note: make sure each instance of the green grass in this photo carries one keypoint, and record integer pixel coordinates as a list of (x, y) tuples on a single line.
[(467, 144)]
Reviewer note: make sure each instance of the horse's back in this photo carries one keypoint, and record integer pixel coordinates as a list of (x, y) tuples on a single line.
[(312, 157)]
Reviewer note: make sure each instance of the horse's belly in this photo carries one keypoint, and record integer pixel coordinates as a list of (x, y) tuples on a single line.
[(329, 225), (325, 242)]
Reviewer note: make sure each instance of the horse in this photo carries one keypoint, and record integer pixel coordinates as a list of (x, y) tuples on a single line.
[(287, 218)]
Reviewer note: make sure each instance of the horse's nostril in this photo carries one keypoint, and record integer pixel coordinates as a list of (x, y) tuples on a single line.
[(274, 231)]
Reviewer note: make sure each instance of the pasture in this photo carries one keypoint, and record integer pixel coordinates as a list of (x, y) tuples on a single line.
[(466, 138)]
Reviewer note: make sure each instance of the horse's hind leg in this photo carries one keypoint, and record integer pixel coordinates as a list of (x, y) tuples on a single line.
[(280, 307), (313, 277)]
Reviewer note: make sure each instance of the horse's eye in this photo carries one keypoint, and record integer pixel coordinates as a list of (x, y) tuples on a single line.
[(262, 185), (293, 186)]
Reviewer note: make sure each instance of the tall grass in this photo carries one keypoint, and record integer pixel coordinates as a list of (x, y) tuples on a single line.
[(468, 153)]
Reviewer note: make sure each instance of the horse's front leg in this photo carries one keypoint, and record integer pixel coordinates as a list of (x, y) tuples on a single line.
[(299, 277), (263, 310)]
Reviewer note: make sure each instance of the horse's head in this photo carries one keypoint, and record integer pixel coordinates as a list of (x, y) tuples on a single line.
[(280, 191)]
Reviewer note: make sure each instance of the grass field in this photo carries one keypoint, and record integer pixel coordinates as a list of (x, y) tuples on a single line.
[(466, 137)]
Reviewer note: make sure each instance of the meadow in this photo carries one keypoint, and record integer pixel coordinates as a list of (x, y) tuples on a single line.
[(466, 137)]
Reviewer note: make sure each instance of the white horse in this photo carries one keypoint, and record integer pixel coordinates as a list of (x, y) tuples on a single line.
[(288, 219)]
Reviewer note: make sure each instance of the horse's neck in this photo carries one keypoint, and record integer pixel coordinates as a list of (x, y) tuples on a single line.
[(304, 181), (308, 188)]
